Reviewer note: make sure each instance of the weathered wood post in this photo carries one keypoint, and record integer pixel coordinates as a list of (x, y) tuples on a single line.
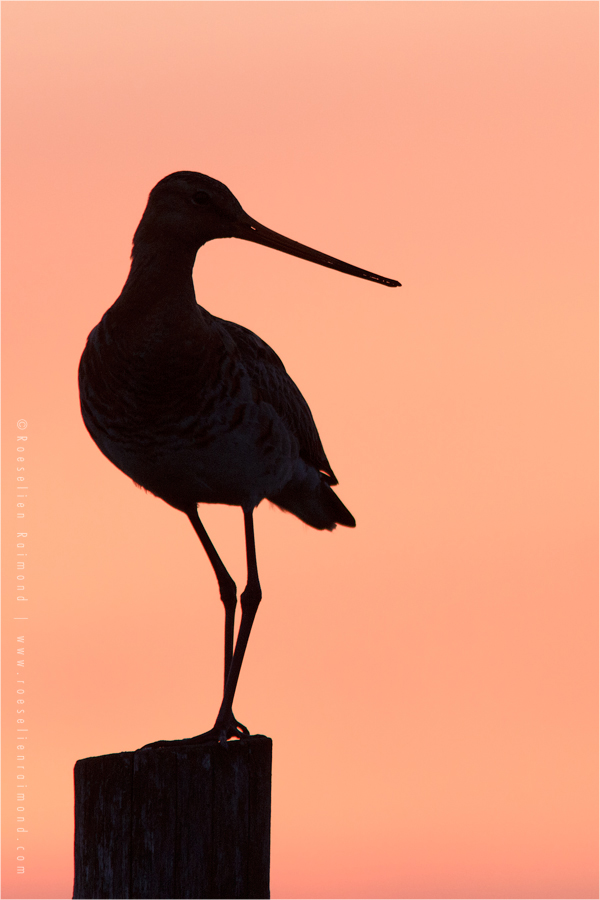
[(175, 823)]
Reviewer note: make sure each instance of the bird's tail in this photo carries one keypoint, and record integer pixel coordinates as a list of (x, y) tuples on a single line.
[(320, 507)]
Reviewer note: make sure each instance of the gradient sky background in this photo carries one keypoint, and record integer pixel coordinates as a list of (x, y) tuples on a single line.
[(429, 679)]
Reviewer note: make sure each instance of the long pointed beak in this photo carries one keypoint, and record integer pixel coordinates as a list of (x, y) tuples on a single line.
[(251, 230)]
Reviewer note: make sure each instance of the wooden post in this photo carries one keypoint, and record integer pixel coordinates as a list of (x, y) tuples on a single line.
[(175, 823)]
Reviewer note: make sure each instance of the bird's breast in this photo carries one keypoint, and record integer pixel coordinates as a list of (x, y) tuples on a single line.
[(180, 417)]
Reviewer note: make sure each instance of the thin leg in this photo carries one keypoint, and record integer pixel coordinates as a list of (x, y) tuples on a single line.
[(226, 724), (227, 588), (249, 601), (228, 593)]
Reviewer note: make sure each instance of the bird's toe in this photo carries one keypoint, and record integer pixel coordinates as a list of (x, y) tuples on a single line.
[(221, 732)]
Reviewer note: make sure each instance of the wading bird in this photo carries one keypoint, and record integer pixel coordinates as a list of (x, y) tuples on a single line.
[(196, 409)]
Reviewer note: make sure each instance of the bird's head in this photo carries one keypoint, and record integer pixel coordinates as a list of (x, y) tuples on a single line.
[(190, 209)]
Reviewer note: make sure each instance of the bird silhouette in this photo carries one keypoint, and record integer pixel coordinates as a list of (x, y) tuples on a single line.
[(196, 409)]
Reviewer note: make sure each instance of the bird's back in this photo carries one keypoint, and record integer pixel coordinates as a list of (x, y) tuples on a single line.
[(308, 495)]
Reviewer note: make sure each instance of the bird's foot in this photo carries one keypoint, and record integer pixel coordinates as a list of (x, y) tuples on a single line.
[(220, 732)]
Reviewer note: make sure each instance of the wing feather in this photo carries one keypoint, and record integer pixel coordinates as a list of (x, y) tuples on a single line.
[(272, 384)]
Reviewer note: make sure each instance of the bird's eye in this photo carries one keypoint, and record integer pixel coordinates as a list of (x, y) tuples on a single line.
[(201, 198)]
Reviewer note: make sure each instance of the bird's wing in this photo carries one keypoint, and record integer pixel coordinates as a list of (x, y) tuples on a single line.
[(272, 384)]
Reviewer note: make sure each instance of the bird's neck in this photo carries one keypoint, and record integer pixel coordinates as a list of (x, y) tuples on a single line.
[(160, 278), (166, 265)]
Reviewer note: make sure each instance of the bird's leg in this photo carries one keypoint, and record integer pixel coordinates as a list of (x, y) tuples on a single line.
[(228, 594), (227, 588), (226, 725), (229, 726), (249, 602)]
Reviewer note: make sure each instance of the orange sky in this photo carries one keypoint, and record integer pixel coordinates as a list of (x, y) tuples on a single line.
[(429, 679)]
